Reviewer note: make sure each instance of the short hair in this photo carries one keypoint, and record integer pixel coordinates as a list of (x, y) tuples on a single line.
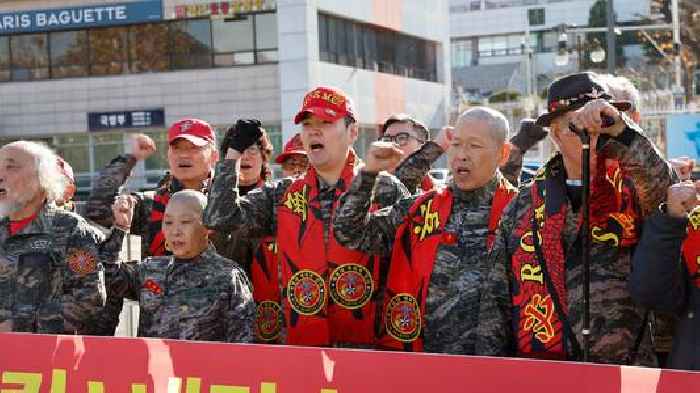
[(498, 124), (192, 197), (623, 89), (51, 180), (402, 118)]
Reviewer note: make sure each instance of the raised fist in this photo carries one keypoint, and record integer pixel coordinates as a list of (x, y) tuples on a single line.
[(528, 135), (123, 211), (383, 156), (681, 198), (142, 146), (241, 136)]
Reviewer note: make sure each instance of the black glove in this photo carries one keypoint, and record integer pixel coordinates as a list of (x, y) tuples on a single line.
[(528, 135), (242, 135)]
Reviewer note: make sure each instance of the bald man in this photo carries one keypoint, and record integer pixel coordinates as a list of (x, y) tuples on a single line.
[(439, 239), (194, 294)]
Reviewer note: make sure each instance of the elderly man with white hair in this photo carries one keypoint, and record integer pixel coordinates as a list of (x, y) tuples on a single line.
[(438, 241), (49, 258)]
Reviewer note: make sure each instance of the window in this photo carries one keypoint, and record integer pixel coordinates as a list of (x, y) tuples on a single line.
[(486, 48), (341, 41), (233, 41), (75, 149), (4, 58), (323, 46), (370, 48), (108, 51), (191, 44), (106, 147), (159, 160), (266, 38), (535, 16), (385, 49), (69, 54), (461, 53), (30, 57), (148, 49)]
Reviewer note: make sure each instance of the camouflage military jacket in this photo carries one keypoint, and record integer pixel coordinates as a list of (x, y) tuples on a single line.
[(615, 320), (255, 215), (206, 298), (453, 294), (106, 188), (50, 273)]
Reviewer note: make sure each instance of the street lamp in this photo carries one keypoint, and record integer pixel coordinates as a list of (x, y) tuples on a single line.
[(562, 57), (597, 53)]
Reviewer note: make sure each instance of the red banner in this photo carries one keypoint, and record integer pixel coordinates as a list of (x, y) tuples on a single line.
[(67, 364)]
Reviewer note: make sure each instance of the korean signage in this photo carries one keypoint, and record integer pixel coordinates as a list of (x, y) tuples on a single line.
[(103, 121), (74, 364), (224, 9), (81, 17), (683, 135)]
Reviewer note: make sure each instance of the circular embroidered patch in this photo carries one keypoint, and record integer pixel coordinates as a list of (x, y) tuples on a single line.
[(403, 318), (351, 285), (81, 262), (268, 320), (306, 292)]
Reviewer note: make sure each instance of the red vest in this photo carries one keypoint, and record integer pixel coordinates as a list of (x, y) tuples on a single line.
[(412, 261), (691, 247), (327, 288), (614, 220)]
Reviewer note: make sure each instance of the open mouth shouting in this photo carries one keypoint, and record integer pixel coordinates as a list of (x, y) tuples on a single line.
[(3, 193), (316, 147)]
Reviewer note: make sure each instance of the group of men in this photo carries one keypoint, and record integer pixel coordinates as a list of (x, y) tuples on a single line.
[(373, 255)]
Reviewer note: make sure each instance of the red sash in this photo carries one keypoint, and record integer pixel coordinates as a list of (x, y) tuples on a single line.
[(412, 261), (264, 274), (427, 184), (156, 244), (328, 288), (691, 247), (614, 220)]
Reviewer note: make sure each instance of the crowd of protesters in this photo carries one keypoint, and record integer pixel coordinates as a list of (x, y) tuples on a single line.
[(371, 254)]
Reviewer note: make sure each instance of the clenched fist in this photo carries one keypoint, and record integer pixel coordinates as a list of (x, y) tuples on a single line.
[(123, 211), (383, 156), (681, 198), (142, 146)]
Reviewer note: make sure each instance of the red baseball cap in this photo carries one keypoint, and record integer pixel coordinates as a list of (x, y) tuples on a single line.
[(293, 146), (328, 103), (199, 132)]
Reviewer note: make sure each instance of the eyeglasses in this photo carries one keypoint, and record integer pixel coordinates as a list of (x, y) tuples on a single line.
[(402, 138)]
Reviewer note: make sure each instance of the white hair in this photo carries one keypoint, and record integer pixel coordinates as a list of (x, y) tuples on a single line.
[(497, 122), (622, 89), (191, 197), (51, 181)]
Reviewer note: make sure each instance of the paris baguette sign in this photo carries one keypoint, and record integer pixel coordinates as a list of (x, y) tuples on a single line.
[(81, 17)]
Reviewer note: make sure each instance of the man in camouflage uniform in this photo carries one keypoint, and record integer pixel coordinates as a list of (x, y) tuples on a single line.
[(532, 303), (194, 294), (438, 257), (302, 210), (49, 258), (192, 154)]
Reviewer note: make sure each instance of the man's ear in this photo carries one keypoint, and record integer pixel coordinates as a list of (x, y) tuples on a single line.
[(505, 153)]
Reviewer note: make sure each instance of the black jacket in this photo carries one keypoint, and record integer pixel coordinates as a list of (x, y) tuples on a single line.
[(660, 281)]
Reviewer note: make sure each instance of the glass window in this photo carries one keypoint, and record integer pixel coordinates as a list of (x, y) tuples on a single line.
[(385, 49), (106, 147), (148, 48), (370, 48), (69, 54), (4, 58), (191, 44), (159, 159), (323, 50), (108, 53), (341, 41), (266, 31), (332, 39), (500, 44), (75, 149), (486, 47), (550, 40), (461, 53), (233, 41), (515, 42), (535, 16), (30, 56), (358, 45)]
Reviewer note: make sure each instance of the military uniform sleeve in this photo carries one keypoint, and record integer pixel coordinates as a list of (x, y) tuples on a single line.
[(416, 166), (658, 279), (513, 167), (84, 294), (495, 336), (124, 280), (106, 186), (253, 214), (642, 162), (240, 313), (356, 228)]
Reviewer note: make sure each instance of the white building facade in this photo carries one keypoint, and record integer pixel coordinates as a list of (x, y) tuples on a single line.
[(82, 74)]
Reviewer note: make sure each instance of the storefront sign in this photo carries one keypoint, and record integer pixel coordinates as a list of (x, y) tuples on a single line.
[(75, 364), (102, 121), (224, 9), (81, 17)]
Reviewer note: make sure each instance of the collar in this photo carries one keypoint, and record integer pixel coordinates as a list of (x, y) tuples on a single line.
[(41, 223), (477, 196)]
